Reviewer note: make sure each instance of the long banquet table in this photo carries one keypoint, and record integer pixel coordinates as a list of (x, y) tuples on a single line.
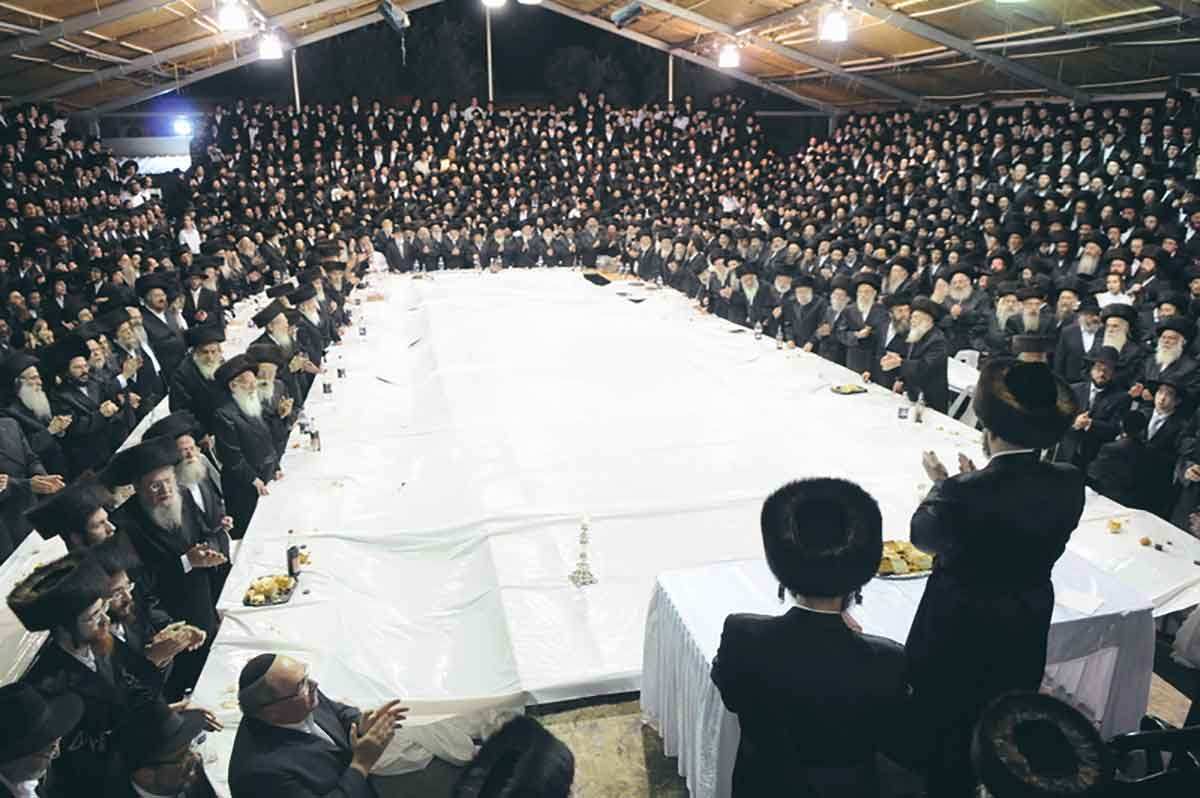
[(482, 417), (1100, 652)]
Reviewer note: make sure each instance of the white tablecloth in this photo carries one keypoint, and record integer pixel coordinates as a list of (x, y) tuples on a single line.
[(1101, 652), (481, 418)]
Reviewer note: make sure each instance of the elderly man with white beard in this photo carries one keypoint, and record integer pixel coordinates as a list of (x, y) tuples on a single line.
[(803, 313), (277, 331), (961, 303), (827, 337), (140, 374), (278, 404), (195, 474), (193, 387), (1035, 318), (245, 447), (185, 560), (30, 408), (865, 323), (310, 338), (1170, 361), (921, 369), (1118, 320)]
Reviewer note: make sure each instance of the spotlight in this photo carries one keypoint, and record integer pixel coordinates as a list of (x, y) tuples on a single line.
[(232, 17), (182, 126), (834, 27), (730, 57), (494, 3), (269, 47)]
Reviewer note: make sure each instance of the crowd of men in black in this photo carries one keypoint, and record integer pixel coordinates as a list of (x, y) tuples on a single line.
[(1068, 235)]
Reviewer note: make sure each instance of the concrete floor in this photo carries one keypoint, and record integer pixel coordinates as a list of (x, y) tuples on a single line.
[(617, 757)]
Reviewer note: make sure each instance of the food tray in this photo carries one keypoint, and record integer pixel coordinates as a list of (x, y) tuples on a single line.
[(281, 597), (849, 389)]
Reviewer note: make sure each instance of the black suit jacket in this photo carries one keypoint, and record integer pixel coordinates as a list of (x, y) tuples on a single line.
[(168, 345), (982, 623), (245, 447), (924, 370), (208, 302), (47, 447), (860, 351), (273, 762), (1069, 354), (190, 391), (1080, 446), (91, 439), (1123, 471), (815, 701), (18, 461)]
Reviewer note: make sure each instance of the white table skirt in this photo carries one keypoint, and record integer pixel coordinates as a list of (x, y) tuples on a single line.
[(1101, 661)]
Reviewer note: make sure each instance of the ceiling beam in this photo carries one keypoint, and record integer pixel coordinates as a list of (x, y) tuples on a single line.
[(998, 62), (234, 64), (790, 53), (181, 51), (687, 55), (204, 74), (78, 24), (776, 19), (1184, 8)]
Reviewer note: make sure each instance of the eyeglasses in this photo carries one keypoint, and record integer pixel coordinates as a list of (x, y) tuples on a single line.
[(306, 687)]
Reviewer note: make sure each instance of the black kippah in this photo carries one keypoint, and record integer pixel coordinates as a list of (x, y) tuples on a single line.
[(255, 669)]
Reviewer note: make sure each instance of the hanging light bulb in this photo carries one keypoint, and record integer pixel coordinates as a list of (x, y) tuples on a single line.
[(729, 57), (834, 27), (269, 47), (494, 3), (232, 17)]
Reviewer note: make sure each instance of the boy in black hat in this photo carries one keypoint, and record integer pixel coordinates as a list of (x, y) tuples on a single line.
[(33, 728), (982, 624), (814, 696)]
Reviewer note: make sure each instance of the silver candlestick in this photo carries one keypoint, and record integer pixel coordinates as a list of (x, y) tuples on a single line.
[(582, 576)]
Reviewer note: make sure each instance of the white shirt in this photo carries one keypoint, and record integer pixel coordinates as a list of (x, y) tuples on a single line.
[(191, 238), (309, 726), (1088, 339)]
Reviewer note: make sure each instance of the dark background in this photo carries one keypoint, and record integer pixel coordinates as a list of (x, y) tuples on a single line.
[(539, 57)]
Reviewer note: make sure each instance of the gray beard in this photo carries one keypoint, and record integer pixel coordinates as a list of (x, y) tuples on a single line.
[(207, 372), (1031, 321), (1165, 357), (166, 516), (266, 392), (864, 310), (141, 335), (1002, 316), (1087, 265), (916, 333), (35, 401), (190, 473), (959, 296), (248, 403), (284, 342), (315, 318)]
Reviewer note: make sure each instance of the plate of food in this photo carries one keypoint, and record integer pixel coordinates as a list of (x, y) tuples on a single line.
[(903, 560), (848, 389), (269, 591)]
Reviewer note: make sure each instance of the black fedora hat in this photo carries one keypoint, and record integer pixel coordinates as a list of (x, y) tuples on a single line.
[(203, 334), (175, 425), (1119, 310), (234, 366), (154, 731), (1107, 355), (266, 353), (130, 465), (268, 314), (68, 510), (822, 537), (31, 722), (522, 760), (927, 306), (1023, 403)]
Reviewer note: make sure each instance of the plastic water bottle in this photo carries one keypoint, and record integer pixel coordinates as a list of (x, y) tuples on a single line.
[(441, 264), (919, 414), (757, 330), (658, 280), (779, 337)]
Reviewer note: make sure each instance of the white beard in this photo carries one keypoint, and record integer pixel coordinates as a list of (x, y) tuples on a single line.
[(190, 473), (266, 393), (917, 331), (284, 342), (141, 335), (315, 318), (248, 403), (1115, 339), (207, 372), (960, 295), (166, 516), (838, 305), (1002, 316), (1165, 356), (1087, 265), (1031, 321), (864, 309), (35, 400)]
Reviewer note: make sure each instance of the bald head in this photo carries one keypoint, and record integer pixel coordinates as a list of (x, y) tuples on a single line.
[(276, 689)]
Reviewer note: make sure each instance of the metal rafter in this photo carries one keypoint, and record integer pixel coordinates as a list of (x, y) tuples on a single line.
[(78, 24), (203, 74), (180, 51), (995, 61), (687, 55), (790, 53), (778, 18), (1184, 8)]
